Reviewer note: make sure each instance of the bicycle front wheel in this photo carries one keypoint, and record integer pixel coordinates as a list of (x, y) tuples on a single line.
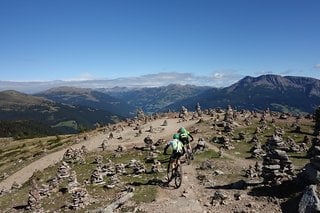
[(169, 171), (178, 176)]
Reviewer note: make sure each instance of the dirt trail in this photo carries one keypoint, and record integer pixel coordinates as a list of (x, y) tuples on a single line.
[(187, 198), (92, 143)]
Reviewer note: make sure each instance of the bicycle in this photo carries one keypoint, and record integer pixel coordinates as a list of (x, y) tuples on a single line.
[(188, 156), (175, 173)]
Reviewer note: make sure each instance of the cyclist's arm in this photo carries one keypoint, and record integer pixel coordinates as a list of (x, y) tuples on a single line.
[(165, 148), (191, 137)]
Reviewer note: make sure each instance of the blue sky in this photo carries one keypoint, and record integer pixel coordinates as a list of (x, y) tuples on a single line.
[(107, 39)]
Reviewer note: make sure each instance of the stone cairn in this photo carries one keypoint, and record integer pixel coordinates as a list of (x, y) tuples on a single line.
[(242, 135), (198, 110), (201, 145), (80, 199), (148, 142), (113, 182), (120, 169), (312, 169), (120, 148), (72, 181), (226, 143), (104, 145), (310, 177), (257, 151), (108, 168), (229, 115), (53, 183), (254, 171), (74, 156), (277, 166), (137, 166), (140, 115), (98, 159), (63, 171), (293, 146), (309, 201), (96, 177), (33, 197), (317, 122), (165, 123), (156, 167), (183, 113)]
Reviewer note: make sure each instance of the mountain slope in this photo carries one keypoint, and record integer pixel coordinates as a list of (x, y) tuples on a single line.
[(88, 98), (15, 106), (278, 93), (154, 99)]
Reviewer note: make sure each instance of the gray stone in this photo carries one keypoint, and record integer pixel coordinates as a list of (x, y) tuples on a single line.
[(309, 202)]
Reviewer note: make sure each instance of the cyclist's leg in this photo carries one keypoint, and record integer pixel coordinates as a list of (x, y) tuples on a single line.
[(174, 160)]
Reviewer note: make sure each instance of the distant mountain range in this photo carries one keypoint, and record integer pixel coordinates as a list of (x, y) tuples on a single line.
[(154, 99), (89, 98), (68, 109), (63, 118), (286, 94)]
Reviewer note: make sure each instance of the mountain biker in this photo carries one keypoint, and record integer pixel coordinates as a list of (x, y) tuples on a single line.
[(185, 137), (177, 149)]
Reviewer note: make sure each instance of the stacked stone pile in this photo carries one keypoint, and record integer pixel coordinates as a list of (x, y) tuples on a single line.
[(156, 167), (242, 135), (165, 123), (63, 170), (53, 183), (315, 148), (309, 201), (277, 166), (33, 197), (276, 142), (254, 171), (254, 139), (108, 168), (183, 113), (140, 115), (229, 115), (292, 145), (257, 151), (137, 166), (120, 169), (226, 143), (74, 156), (311, 173), (201, 145), (148, 141), (97, 177), (151, 156), (98, 159), (73, 182), (198, 110), (80, 199), (113, 182)]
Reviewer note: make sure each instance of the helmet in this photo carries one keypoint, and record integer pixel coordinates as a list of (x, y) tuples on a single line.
[(182, 130), (176, 136)]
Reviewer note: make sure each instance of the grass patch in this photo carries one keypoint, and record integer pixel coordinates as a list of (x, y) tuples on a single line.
[(146, 194)]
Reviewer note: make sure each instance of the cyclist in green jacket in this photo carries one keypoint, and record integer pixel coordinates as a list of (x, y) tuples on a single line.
[(177, 149)]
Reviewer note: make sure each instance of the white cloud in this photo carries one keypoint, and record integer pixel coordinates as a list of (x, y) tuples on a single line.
[(85, 76), (215, 79), (263, 72), (317, 66)]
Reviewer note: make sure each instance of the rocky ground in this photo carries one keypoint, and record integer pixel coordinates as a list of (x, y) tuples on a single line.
[(211, 183)]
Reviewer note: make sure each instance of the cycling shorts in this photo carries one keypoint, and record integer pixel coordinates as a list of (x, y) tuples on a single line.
[(176, 155)]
